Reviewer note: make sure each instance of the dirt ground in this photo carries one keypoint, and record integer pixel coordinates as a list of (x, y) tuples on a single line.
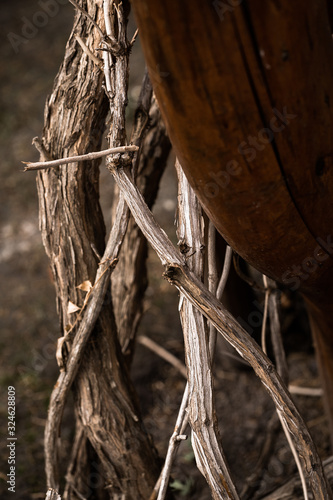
[(28, 319)]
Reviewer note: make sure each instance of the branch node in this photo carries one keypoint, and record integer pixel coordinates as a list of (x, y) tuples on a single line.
[(181, 437)]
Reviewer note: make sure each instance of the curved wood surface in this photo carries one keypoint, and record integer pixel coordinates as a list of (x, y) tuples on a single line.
[(246, 91)]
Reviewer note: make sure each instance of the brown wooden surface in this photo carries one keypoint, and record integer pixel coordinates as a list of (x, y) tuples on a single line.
[(221, 77)]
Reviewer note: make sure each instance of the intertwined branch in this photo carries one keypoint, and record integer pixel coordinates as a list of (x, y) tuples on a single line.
[(197, 301), (177, 273)]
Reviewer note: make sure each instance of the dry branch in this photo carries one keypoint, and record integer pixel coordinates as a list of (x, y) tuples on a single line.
[(161, 486), (72, 223), (179, 275), (40, 165), (129, 281), (87, 323), (208, 451)]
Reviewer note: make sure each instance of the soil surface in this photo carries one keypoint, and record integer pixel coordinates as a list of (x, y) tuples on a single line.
[(30, 58)]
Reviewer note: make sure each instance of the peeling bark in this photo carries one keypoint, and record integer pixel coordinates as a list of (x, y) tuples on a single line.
[(71, 222)]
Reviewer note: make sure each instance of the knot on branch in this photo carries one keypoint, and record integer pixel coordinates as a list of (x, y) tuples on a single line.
[(118, 161), (115, 47), (171, 272)]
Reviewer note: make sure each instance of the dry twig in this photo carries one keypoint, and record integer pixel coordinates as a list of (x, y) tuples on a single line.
[(41, 165), (178, 274), (163, 353), (161, 486), (205, 440), (87, 15), (86, 49)]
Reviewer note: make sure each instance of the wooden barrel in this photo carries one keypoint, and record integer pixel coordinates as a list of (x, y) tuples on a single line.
[(246, 91)]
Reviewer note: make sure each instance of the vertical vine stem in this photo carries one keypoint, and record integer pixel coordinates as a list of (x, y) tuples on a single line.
[(283, 424), (208, 452), (178, 274), (182, 420)]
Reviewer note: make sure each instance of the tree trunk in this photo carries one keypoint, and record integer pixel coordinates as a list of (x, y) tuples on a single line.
[(71, 223)]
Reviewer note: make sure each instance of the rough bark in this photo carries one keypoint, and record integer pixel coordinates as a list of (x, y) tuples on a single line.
[(129, 281), (71, 222), (208, 451)]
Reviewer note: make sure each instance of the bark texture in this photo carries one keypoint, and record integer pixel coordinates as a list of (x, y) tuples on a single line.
[(208, 451), (188, 284), (119, 451), (129, 281)]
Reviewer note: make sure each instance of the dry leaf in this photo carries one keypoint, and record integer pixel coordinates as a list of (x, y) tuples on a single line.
[(72, 308), (59, 353), (86, 286)]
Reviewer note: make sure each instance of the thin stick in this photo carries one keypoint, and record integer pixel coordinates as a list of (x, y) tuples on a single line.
[(212, 278), (212, 281), (40, 165), (86, 49), (134, 37), (107, 57), (219, 292), (316, 392), (225, 272), (107, 8), (295, 455), (174, 442), (163, 353), (276, 337), (264, 321), (88, 16)]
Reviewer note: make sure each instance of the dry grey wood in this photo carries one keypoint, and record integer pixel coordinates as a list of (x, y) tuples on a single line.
[(40, 165), (275, 327), (160, 489), (129, 281), (71, 223), (212, 279), (219, 293), (208, 452), (52, 495), (179, 275)]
